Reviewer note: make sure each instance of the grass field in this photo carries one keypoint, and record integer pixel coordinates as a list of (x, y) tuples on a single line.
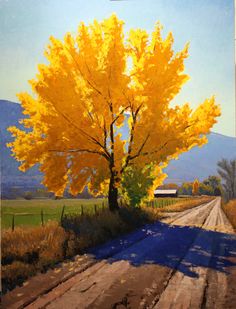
[(29, 212)]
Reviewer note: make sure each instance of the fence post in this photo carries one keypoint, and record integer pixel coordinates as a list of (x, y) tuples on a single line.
[(82, 210), (62, 213), (42, 222), (13, 223)]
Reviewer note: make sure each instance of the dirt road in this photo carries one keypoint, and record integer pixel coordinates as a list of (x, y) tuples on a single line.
[(185, 261)]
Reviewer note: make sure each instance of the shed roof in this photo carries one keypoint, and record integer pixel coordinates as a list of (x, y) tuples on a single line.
[(165, 191)]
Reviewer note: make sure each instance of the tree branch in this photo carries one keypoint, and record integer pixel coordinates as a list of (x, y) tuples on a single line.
[(79, 150), (141, 148), (134, 116), (120, 113)]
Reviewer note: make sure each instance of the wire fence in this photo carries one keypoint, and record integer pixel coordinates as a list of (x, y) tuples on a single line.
[(82, 210), (44, 216)]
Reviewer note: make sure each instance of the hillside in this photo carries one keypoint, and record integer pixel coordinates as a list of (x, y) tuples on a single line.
[(10, 113), (202, 162), (199, 162)]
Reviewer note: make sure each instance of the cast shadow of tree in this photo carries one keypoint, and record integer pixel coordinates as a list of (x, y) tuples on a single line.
[(177, 247)]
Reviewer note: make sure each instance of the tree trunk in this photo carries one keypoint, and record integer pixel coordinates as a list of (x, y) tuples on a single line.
[(113, 195)]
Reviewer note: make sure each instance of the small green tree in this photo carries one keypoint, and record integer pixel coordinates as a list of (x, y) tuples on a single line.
[(136, 183)]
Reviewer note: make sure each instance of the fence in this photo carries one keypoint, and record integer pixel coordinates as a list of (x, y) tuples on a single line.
[(56, 215), (156, 203)]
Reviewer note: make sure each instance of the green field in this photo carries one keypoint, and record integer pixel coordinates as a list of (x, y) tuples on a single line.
[(29, 212)]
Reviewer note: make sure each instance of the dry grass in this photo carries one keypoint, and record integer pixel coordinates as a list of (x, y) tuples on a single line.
[(230, 211), (28, 251), (187, 204)]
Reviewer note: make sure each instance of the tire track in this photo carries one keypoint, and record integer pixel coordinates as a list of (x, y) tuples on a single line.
[(175, 296)]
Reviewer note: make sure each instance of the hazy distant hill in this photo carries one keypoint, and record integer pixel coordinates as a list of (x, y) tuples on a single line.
[(199, 162), (10, 113), (202, 162)]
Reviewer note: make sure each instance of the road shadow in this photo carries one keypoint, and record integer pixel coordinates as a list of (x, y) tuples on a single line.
[(177, 247)]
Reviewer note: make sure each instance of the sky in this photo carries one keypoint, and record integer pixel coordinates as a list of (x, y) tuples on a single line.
[(26, 25)]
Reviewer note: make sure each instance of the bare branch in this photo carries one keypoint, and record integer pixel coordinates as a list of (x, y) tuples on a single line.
[(120, 113), (134, 116), (141, 148)]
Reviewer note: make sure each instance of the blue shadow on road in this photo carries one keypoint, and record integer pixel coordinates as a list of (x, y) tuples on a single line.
[(178, 247)]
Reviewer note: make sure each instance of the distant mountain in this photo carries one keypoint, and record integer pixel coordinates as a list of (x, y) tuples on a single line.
[(10, 113), (197, 163), (202, 162)]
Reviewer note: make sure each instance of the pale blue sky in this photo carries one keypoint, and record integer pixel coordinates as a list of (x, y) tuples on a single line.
[(25, 26)]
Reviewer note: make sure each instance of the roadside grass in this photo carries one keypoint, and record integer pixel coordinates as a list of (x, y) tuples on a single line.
[(26, 251), (230, 211), (186, 203), (36, 249), (165, 201), (28, 212)]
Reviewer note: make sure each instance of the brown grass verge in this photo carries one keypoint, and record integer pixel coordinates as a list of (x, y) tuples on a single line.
[(230, 211), (187, 204), (28, 251)]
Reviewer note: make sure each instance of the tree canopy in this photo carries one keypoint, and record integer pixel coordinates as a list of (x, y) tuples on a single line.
[(92, 81)]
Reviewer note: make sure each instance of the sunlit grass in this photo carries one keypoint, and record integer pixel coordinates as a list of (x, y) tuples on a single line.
[(230, 211), (186, 203)]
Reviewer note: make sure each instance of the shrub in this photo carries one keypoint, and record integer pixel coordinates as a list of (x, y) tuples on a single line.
[(28, 195), (136, 183)]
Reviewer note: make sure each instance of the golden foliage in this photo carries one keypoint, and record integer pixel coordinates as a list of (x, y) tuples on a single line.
[(92, 82)]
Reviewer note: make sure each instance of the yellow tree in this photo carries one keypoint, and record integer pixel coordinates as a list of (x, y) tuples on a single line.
[(195, 188), (81, 98)]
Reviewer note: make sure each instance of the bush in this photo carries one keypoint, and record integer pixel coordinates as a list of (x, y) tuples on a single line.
[(28, 196)]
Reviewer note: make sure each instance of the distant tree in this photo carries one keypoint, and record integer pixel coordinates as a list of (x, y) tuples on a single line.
[(186, 188), (195, 189), (205, 189), (169, 186), (214, 183), (227, 171), (28, 195)]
